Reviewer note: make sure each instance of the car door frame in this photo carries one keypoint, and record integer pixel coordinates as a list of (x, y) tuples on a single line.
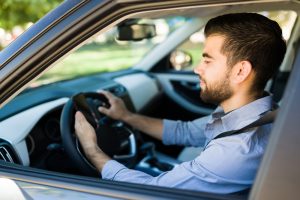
[(24, 60)]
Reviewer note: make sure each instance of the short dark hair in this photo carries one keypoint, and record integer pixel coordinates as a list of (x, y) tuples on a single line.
[(252, 37)]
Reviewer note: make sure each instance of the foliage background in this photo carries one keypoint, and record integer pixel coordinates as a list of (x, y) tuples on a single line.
[(20, 12)]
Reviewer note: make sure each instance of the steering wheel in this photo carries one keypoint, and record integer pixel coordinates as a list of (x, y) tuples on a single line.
[(113, 137)]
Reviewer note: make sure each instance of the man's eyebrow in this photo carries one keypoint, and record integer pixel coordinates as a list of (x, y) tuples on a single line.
[(206, 55)]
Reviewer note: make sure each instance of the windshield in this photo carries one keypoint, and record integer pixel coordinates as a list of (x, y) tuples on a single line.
[(104, 53)]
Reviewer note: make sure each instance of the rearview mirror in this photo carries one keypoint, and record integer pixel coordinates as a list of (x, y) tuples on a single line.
[(135, 32)]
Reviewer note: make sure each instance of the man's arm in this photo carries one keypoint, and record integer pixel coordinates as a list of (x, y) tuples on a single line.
[(214, 170), (199, 174), (88, 140), (149, 125), (118, 111), (189, 175)]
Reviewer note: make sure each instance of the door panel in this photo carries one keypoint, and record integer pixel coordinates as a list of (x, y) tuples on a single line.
[(184, 90)]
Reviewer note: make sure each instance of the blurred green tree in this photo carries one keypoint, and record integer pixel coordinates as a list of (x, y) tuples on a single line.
[(20, 12)]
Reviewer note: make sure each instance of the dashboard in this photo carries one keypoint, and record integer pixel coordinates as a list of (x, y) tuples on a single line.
[(32, 136)]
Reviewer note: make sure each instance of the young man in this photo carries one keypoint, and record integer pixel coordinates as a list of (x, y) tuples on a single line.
[(241, 52)]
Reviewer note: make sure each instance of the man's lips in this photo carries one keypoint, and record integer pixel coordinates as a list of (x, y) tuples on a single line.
[(202, 83)]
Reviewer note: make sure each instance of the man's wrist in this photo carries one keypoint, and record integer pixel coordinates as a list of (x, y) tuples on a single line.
[(98, 158), (127, 117)]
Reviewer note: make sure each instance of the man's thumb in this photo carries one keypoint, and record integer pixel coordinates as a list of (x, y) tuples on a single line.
[(103, 110)]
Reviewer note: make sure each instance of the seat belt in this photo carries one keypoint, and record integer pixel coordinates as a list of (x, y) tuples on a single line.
[(267, 118)]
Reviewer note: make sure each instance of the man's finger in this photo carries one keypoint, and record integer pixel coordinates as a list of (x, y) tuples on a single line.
[(103, 110), (81, 120), (80, 116), (107, 94)]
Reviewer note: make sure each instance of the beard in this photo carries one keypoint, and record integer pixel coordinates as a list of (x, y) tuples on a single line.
[(217, 92)]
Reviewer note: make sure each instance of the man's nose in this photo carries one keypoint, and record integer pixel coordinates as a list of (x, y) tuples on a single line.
[(198, 69)]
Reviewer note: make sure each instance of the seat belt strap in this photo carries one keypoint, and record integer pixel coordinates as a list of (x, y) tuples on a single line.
[(268, 118)]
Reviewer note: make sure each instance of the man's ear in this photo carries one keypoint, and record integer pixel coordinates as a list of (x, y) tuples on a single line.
[(241, 71)]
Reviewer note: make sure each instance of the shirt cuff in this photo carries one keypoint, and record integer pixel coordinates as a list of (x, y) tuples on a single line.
[(111, 168), (168, 131)]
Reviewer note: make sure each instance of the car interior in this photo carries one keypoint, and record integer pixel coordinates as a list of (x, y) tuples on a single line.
[(156, 79)]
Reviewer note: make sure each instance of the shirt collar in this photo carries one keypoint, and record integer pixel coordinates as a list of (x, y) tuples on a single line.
[(244, 115), (218, 113)]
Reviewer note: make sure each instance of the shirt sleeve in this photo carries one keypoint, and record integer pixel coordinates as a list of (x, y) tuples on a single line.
[(198, 174), (184, 133)]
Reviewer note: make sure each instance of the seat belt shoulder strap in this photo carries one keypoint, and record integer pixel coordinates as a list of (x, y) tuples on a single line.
[(268, 118)]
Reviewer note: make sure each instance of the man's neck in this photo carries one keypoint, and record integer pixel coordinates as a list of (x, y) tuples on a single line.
[(239, 100)]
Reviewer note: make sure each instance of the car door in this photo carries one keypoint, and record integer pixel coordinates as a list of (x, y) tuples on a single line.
[(55, 36)]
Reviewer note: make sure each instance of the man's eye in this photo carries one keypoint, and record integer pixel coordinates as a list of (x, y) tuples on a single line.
[(206, 61)]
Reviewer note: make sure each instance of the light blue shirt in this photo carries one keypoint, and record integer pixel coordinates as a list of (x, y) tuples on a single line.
[(227, 164)]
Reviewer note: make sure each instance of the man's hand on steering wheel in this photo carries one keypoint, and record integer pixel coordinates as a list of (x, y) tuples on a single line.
[(117, 109), (98, 139), (88, 140)]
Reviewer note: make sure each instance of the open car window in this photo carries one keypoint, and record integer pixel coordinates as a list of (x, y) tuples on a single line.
[(105, 53)]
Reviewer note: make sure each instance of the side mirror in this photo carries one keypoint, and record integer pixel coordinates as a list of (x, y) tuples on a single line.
[(180, 60), (135, 31)]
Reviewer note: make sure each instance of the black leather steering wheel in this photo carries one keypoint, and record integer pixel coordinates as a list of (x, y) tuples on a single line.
[(113, 137)]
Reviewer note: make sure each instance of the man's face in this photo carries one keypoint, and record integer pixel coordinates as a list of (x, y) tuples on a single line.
[(213, 72)]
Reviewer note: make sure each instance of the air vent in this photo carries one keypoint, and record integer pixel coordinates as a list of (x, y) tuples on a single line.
[(4, 155), (117, 90)]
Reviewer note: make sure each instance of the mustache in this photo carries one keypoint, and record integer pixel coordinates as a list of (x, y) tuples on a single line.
[(202, 79)]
